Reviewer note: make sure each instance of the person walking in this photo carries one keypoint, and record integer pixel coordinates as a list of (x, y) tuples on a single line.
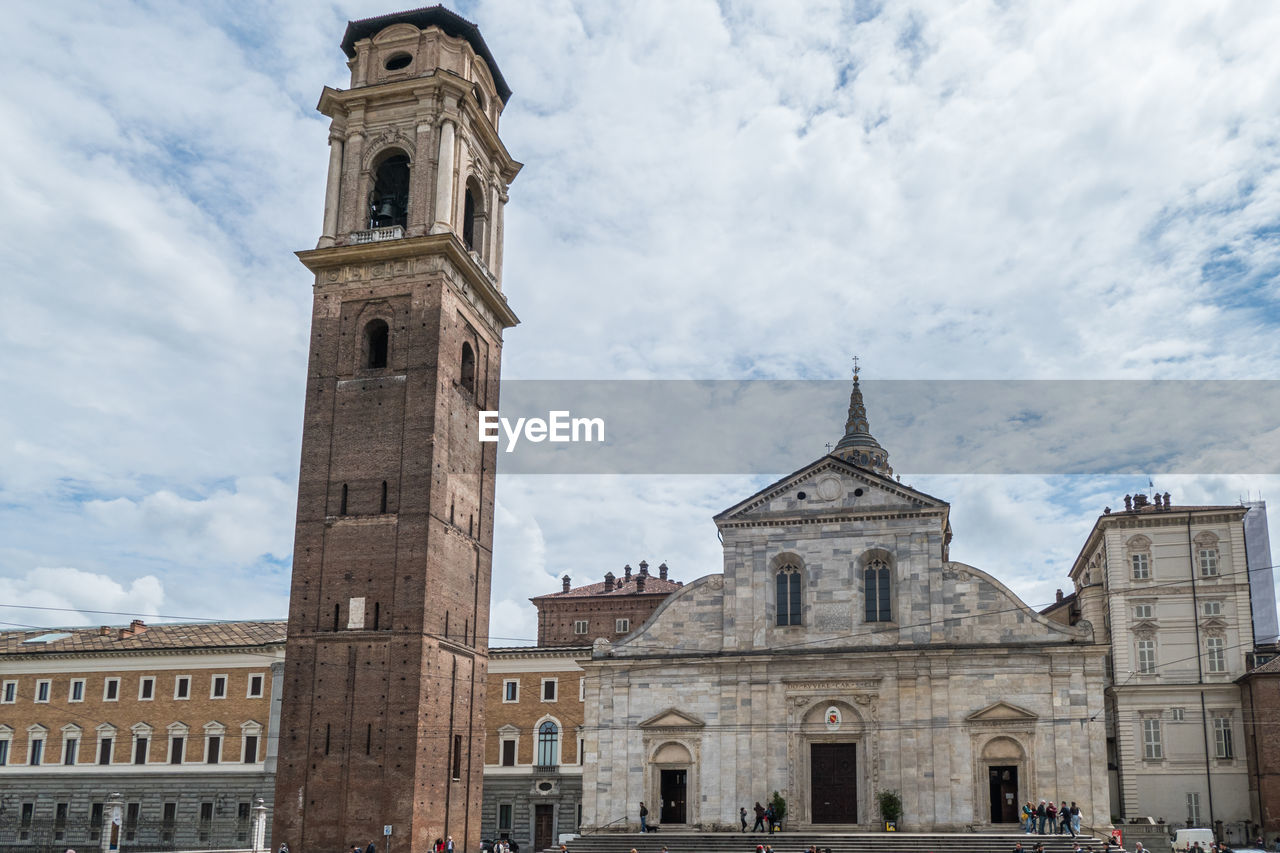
[(644, 818), (372, 848), (448, 845), (1075, 818), (1064, 820), (768, 819), (759, 825), (1041, 813), (742, 815)]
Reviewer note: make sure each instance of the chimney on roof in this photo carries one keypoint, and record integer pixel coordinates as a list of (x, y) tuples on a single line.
[(1059, 596), (564, 584), (644, 567), (1166, 500), (104, 631), (626, 573), (137, 626), (1139, 500), (608, 581), (640, 579), (1128, 503), (662, 570)]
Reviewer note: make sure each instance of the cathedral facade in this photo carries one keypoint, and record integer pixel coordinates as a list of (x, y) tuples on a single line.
[(841, 654)]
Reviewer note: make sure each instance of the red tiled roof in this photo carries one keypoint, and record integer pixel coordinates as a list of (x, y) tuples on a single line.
[(186, 635), (1271, 666)]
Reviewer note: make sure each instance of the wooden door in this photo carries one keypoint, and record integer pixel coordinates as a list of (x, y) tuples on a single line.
[(543, 827), (1004, 794), (833, 782), (675, 784)]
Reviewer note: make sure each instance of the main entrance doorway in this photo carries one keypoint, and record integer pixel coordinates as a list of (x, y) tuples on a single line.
[(675, 785), (833, 782), (543, 826), (1004, 793)]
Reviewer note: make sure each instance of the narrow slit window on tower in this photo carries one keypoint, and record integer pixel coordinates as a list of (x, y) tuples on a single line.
[(368, 739), (389, 199), (457, 756), (376, 337), (337, 613), (383, 506), (876, 588), (467, 373), (377, 614), (326, 738), (342, 504), (469, 219)]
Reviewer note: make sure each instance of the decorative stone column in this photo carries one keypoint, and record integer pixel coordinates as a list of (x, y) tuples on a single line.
[(331, 192), (260, 826), (112, 822), (445, 179)]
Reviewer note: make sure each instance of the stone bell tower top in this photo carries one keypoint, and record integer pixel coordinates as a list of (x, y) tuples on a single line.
[(414, 149), (858, 444)]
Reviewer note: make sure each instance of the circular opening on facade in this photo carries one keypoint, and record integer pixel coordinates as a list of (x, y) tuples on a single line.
[(544, 786), (397, 61), (857, 493), (801, 496)]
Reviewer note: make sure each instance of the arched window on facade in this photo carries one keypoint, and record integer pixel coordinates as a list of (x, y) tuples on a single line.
[(389, 198), (473, 218), (467, 371), (788, 580), (377, 337), (877, 587), (548, 742)]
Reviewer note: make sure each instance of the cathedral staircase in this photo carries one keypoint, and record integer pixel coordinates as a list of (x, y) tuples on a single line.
[(798, 842)]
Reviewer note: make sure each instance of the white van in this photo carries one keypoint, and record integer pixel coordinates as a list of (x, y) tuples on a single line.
[(1184, 838)]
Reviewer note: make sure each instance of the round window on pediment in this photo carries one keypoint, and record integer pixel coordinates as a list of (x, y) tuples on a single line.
[(397, 61)]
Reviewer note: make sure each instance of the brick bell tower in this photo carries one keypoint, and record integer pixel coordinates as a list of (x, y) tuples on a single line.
[(382, 721)]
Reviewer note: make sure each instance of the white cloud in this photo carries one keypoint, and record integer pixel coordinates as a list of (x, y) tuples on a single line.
[(73, 596)]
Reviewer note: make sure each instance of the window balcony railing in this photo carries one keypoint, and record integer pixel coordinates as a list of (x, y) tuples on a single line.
[(377, 235), (546, 768)]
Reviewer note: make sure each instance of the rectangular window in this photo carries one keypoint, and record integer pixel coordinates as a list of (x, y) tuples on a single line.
[(457, 757), (548, 690), (511, 690), (76, 692), (1211, 608), (43, 688), (131, 821), (206, 821), (177, 749), (580, 742), (168, 821), (621, 626), (95, 821), (580, 627), (504, 816), (1141, 566), (1152, 742), (1143, 611), (37, 752), (1208, 562), (146, 688), (1193, 808), (1147, 657), (24, 823), (60, 821), (111, 690), (1222, 739), (1177, 714), (9, 693), (1216, 650), (218, 687), (508, 753), (582, 689), (182, 687), (104, 750), (70, 750), (250, 749), (140, 745), (213, 750), (4, 753), (255, 686)]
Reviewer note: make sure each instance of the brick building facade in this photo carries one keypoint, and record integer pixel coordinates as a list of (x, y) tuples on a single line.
[(611, 609), (1260, 696), (178, 720)]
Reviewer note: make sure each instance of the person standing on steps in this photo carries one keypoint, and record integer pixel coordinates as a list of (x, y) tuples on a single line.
[(644, 818), (742, 815), (1041, 814), (759, 827)]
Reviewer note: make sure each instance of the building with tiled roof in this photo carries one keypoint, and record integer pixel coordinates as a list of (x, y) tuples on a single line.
[(163, 735), (1260, 698), (611, 608)]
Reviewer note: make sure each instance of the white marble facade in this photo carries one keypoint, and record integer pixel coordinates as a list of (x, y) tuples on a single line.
[(944, 681)]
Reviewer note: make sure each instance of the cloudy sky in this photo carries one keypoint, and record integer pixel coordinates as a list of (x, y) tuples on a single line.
[(952, 190)]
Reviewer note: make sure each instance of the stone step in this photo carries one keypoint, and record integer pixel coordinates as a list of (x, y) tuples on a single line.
[(844, 842)]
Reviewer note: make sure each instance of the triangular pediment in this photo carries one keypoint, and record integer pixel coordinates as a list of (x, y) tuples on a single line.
[(1001, 711), (1214, 622), (671, 718), (831, 486)]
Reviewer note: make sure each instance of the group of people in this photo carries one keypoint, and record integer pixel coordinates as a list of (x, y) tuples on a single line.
[(766, 818), (1048, 819)]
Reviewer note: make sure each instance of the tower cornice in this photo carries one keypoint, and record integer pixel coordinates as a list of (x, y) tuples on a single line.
[(446, 244)]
